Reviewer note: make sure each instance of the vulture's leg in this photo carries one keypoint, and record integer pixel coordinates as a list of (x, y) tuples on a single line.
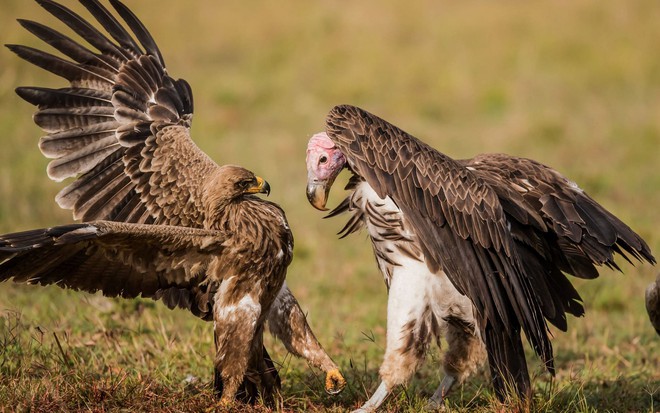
[(465, 354), (236, 323), (287, 322), (409, 327)]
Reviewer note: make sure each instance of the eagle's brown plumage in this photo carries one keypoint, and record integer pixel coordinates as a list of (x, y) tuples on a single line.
[(503, 229), (163, 220)]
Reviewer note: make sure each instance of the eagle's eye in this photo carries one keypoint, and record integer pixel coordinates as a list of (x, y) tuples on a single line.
[(244, 184), (323, 159)]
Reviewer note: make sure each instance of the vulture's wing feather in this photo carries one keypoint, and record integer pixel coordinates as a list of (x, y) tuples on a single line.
[(578, 232), (558, 229), (127, 260), (122, 127), (460, 224)]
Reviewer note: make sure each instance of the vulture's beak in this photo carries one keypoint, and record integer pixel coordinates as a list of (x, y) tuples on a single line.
[(261, 187), (317, 193)]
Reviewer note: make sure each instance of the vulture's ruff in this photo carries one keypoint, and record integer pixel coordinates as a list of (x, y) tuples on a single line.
[(472, 249), (162, 219)]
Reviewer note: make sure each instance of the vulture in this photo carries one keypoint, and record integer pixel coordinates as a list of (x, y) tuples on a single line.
[(473, 250), (159, 218), (652, 298)]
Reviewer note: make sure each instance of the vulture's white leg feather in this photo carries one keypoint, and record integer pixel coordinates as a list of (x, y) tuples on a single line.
[(420, 304), (407, 308)]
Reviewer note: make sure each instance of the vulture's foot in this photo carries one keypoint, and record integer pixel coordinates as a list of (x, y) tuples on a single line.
[(437, 401), (375, 401)]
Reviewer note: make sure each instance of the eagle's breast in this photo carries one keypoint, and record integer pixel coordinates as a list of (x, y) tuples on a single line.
[(258, 251)]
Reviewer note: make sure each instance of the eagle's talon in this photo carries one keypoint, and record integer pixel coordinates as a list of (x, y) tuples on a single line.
[(334, 382)]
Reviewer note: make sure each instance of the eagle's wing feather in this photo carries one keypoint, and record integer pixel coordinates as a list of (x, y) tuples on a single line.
[(460, 224), (127, 260), (122, 128)]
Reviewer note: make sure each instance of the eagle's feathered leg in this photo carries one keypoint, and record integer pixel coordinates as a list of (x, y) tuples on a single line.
[(288, 323), (262, 381), (217, 378), (236, 322)]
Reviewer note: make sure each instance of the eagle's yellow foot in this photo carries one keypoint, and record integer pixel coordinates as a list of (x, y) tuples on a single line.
[(223, 405), (334, 382)]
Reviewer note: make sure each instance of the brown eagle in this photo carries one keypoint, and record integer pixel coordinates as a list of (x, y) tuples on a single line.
[(475, 250), (161, 219)]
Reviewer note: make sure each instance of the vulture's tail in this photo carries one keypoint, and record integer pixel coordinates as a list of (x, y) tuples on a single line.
[(508, 368)]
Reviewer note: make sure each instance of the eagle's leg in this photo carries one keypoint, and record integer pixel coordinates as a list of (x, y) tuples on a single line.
[(261, 381), (237, 322), (287, 322), (465, 354), (410, 327), (217, 378)]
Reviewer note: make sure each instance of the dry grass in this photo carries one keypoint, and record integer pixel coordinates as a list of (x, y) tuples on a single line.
[(575, 85)]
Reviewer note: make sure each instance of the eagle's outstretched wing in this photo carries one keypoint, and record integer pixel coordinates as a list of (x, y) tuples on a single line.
[(127, 260), (122, 127), (503, 248)]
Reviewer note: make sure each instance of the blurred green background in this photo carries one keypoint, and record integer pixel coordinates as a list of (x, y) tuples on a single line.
[(572, 84)]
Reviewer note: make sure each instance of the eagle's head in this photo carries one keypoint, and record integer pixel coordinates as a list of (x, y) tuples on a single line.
[(231, 182), (324, 162)]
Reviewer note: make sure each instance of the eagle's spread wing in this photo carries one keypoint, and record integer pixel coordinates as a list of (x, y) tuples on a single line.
[(122, 128), (127, 260)]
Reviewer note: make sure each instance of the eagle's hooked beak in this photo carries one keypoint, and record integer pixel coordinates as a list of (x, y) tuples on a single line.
[(262, 187), (317, 193)]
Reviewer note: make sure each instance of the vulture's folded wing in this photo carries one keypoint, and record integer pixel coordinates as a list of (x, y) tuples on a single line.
[(458, 220), (122, 127), (127, 260)]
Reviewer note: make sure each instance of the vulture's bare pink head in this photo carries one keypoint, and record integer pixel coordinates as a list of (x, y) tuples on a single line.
[(324, 162)]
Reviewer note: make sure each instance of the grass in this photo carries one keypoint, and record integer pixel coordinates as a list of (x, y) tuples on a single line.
[(575, 85)]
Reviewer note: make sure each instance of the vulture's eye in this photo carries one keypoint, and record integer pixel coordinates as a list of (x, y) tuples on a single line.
[(323, 159)]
